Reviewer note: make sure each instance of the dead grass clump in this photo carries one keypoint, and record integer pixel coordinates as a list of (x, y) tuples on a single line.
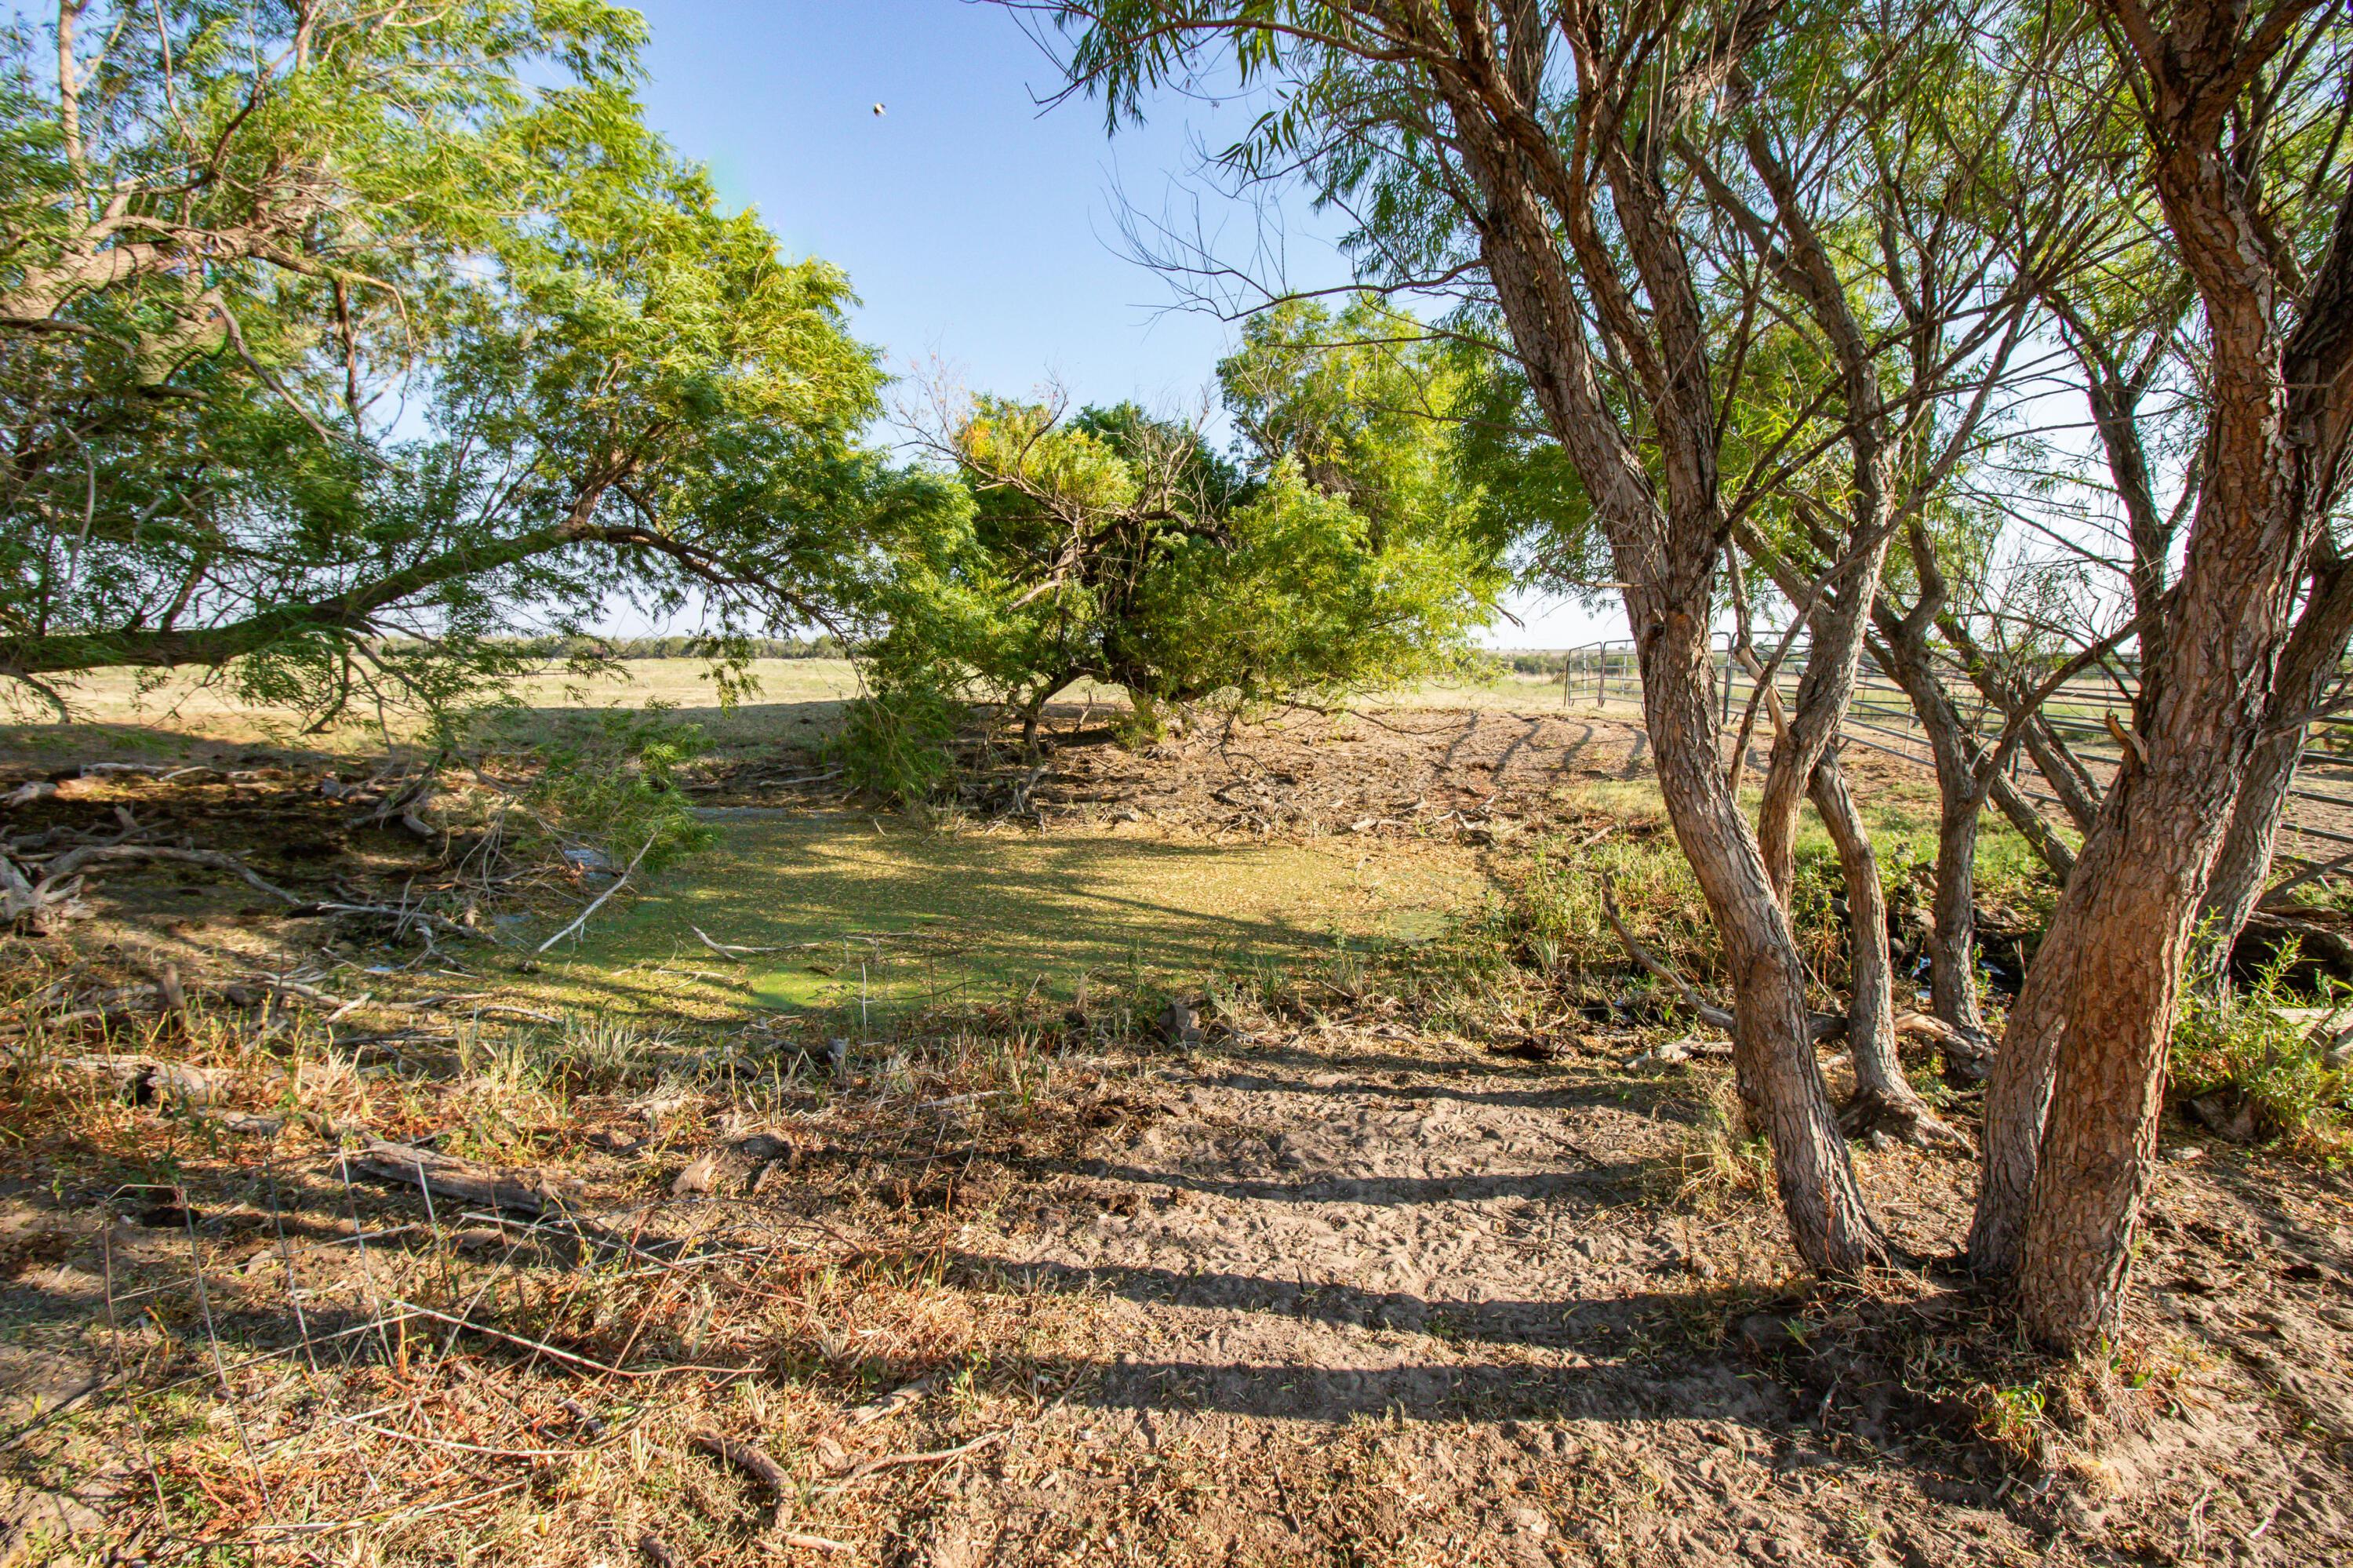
[(1720, 1164)]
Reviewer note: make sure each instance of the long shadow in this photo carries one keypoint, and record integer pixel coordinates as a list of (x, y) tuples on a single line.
[(1638, 755), (1571, 1095), (1531, 727), (1386, 1191), (1622, 1371), (1464, 730), (1556, 1324)]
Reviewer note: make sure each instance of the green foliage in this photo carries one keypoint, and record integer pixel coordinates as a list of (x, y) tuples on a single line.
[(1343, 551), (466, 341), (2255, 1048), (611, 783), (894, 744)]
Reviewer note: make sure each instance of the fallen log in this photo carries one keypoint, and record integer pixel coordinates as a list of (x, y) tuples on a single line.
[(518, 1191), (88, 855), (148, 1080)]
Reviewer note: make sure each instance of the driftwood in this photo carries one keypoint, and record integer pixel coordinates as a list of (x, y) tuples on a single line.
[(51, 894), (401, 915), (519, 1192), (124, 1004), (622, 880), (77, 860), (146, 1080), (734, 951), (403, 805)]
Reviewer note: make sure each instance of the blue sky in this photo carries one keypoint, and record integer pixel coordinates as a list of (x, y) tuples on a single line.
[(981, 231)]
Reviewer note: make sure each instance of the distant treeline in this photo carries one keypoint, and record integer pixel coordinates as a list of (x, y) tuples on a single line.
[(825, 646), (1490, 663)]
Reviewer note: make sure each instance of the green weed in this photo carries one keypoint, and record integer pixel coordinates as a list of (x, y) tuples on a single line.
[(2256, 1048)]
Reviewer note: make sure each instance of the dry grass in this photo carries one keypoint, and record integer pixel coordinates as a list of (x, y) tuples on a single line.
[(229, 1342)]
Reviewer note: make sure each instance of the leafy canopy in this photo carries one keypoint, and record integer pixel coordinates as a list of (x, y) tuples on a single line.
[(335, 338), (1345, 544)]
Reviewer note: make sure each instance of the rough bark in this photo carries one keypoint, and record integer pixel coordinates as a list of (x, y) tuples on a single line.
[(1885, 1100), (1661, 508), (2308, 670), (1772, 1039), (1960, 800), (2107, 981), (2039, 835)]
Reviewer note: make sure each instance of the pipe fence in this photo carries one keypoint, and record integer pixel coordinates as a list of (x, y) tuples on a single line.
[(2319, 817)]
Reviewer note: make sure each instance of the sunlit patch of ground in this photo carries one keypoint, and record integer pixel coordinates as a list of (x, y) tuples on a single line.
[(873, 912), (118, 716)]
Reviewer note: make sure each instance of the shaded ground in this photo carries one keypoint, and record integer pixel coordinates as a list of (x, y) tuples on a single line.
[(1419, 1253), (1330, 1292), (878, 912)]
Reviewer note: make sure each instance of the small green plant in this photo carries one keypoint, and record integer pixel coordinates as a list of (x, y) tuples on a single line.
[(596, 1052), (895, 743), (2256, 1049), (2014, 1418), (611, 784)]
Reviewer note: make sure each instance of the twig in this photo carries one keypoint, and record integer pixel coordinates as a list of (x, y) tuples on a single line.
[(1709, 1014), (817, 1542), (470, 1448), (572, 1357), (730, 950), (750, 1459), (618, 882), (894, 1461)]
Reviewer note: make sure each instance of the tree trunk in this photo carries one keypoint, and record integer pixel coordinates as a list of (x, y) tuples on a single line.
[(2078, 791), (2268, 463), (2308, 670), (1885, 1100), (2039, 835), (1952, 937), (1772, 1025), (1659, 502), (2017, 1098), (1953, 929)]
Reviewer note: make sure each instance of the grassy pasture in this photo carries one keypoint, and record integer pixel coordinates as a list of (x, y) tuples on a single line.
[(874, 916), (119, 716)]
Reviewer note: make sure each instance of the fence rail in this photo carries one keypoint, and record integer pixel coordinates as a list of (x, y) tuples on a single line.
[(1881, 718)]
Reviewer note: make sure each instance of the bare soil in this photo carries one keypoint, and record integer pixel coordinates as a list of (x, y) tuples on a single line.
[(1339, 1282)]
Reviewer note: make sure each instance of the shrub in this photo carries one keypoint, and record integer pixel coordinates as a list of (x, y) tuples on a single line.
[(896, 742), (2256, 1049), (611, 784)]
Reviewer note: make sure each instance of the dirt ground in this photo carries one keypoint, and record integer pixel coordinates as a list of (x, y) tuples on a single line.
[(1321, 1271)]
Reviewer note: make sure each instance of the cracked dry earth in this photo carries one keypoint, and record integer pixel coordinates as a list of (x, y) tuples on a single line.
[(1400, 1301)]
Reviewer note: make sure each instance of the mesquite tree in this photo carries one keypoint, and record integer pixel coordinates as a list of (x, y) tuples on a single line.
[(325, 323), (1541, 149), (2239, 114), (1557, 157), (1343, 550)]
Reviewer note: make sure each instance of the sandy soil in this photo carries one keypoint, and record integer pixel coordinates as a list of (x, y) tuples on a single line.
[(1336, 1284)]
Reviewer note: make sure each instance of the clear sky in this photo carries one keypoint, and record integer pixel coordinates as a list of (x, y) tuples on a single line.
[(981, 231)]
